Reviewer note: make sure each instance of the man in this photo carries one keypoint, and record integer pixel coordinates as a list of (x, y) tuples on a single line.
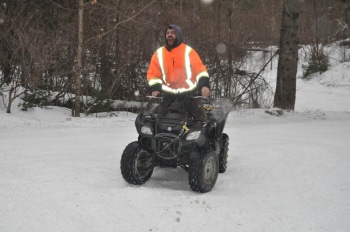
[(177, 71)]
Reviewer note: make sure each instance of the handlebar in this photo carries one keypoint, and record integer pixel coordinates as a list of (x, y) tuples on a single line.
[(161, 96)]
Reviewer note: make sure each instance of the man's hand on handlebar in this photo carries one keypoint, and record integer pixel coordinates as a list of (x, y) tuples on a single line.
[(155, 93), (205, 91)]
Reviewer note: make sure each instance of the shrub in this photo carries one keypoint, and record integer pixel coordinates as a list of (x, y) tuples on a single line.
[(99, 102), (37, 98), (318, 62)]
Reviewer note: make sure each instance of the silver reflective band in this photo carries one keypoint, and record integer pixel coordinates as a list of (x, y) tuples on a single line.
[(202, 74), (188, 65), (154, 82), (161, 62)]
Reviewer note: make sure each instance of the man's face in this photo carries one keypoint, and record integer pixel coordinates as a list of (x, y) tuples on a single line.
[(170, 37)]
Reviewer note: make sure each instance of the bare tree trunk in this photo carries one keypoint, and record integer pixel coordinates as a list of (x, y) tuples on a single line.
[(9, 104), (13, 94), (79, 59), (288, 56)]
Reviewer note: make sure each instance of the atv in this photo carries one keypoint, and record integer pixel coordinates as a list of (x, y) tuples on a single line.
[(179, 140)]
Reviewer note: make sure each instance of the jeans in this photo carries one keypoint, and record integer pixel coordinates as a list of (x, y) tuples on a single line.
[(194, 106)]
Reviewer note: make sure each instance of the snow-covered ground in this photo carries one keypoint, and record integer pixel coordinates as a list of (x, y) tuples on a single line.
[(286, 174)]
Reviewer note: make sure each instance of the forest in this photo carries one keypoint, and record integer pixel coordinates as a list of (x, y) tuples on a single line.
[(58, 52)]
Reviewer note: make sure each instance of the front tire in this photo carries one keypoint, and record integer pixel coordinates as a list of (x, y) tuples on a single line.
[(223, 153), (203, 172), (136, 164)]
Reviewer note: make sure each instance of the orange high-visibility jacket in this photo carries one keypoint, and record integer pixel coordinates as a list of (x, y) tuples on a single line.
[(178, 70)]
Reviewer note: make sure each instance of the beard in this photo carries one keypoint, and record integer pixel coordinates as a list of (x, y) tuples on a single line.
[(171, 43)]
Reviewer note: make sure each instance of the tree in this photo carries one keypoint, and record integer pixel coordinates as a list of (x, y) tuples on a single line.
[(288, 56), (79, 59), (110, 22), (39, 41)]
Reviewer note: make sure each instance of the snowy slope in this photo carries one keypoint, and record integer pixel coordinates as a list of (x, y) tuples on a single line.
[(287, 173)]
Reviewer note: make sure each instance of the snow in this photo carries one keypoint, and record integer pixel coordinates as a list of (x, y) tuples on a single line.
[(286, 173)]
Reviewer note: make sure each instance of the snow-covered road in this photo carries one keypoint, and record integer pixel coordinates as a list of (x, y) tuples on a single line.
[(288, 173)]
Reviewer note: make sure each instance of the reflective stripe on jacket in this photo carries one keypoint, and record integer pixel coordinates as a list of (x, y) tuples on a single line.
[(177, 70)]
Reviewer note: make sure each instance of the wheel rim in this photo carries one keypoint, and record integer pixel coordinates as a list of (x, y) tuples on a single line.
[(143, 163), (209, 171)]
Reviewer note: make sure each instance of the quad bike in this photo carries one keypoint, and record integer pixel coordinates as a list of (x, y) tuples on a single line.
[(178, 140)]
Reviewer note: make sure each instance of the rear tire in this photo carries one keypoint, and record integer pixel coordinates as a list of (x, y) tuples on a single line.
[(136, 164), (223, 153), (203, 172)]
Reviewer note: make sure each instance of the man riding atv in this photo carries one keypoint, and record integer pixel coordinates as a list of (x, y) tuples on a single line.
[(176, 70), (182, 132)]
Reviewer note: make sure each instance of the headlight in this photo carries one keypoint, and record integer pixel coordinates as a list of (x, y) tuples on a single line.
[(146, 130), (193, 135)]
